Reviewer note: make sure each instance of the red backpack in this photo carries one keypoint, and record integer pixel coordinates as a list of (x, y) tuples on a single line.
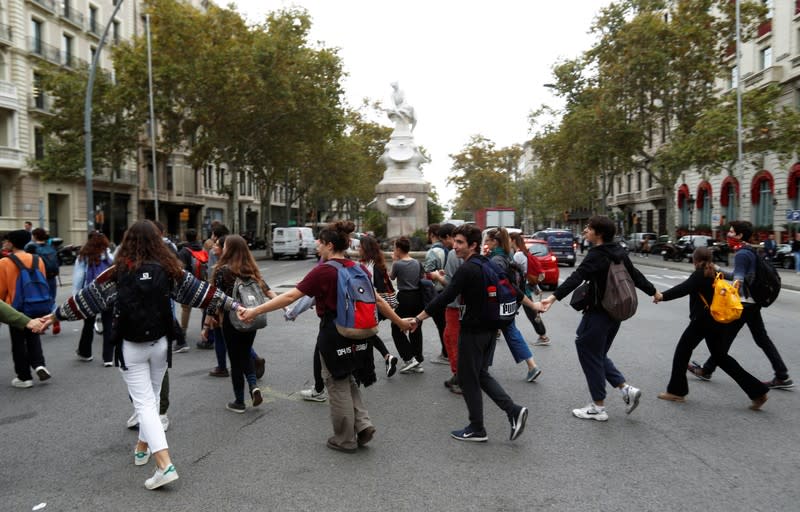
[(534, 269), (199, 264)]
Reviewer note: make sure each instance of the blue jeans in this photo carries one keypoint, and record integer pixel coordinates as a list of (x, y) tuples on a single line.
[(516, 343), (215, 337), (797, 262), (593, 340)]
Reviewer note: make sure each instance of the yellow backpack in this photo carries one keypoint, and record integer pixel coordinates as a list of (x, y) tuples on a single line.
[(726, 306)]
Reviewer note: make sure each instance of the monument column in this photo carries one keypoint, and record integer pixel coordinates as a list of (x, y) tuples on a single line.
[(402, 194)]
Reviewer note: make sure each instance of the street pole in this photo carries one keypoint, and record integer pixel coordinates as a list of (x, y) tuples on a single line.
[(738, 90), (87, 124), (152, 115)]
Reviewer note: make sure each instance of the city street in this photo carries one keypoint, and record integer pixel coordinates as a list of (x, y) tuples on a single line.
[(65, 442)]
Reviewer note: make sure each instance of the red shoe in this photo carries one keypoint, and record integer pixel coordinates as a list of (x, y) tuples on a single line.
[(56, 327)]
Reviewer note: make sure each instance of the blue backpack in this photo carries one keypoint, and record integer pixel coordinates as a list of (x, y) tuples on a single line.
[(48, 254), (356, 309), (32, 296), (92, 271), (500, 296)]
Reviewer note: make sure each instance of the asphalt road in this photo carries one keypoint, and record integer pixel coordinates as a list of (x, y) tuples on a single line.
[(65, 444)]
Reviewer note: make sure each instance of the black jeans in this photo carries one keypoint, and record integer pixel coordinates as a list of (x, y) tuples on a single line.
[(536, 320), (751, 315), (242, 365), (438, 319), (408, 345), (717, 338), (26, 350), (475, 352), (87, 337)]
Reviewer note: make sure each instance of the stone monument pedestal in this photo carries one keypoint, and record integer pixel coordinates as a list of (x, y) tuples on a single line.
[(406, 204)]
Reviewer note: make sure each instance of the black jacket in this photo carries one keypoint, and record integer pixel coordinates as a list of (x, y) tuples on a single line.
[(695, 285), (594, 268)]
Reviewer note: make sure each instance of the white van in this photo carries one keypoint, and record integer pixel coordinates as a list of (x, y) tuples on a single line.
[(297, 242)]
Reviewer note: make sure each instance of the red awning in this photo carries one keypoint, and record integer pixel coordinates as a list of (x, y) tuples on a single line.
[(794, 175), (703, 189), (756, 186), (723, 194), (683, 193)]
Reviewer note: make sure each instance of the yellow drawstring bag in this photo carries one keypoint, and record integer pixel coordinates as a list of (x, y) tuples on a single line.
[(726, 306)]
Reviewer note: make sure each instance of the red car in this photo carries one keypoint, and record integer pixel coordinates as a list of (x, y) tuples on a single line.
[(541, 250)]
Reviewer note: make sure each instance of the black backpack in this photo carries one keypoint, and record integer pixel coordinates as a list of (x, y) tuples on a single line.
[(763, 284), (143, 311)]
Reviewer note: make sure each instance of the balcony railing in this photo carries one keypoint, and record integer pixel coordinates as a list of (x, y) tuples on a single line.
[(772, 74), (654, 193), (50, 5), (627, 197), (122, 177), (41, 49), (73, 16), (40, 102), (8, 90), (11, 157), (5, 34)]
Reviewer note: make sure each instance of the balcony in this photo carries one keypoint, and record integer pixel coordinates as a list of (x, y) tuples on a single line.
[(40, 103), (43, 50), (128, 178), (48, 5), (627, 197), (72, 16), (11, 158), (5, 35), (772, 74), (654, 193)]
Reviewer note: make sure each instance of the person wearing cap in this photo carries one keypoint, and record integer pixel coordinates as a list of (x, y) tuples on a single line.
[(26, 346)]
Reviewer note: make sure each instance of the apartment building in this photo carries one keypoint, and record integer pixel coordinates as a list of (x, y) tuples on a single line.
[(67, 33), (765, 193)]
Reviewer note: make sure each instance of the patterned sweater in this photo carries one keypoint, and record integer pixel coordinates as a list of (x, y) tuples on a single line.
[(101, 295)]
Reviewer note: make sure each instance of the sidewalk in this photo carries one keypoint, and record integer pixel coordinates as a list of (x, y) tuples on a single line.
[(789, 278)]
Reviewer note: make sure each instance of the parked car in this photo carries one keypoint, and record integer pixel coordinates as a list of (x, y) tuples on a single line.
[(635, 240), (561, 242), (542, 252), (291, 241), (784, 257)]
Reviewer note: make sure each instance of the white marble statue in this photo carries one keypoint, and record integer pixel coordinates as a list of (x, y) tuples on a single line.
[(402, 110)]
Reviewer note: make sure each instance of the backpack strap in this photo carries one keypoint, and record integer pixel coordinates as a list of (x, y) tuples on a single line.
[(21, 266)]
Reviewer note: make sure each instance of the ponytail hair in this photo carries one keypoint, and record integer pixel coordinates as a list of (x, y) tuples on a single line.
[(338, 233), (703, 259)]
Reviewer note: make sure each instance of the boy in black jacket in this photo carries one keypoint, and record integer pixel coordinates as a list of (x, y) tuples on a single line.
[(476, 341), (597, 329)]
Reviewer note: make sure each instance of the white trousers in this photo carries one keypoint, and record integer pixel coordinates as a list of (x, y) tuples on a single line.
[(147, 364)]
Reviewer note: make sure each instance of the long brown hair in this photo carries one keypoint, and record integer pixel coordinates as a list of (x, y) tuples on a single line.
[(519, 242), (704, 259), (372, 252), (94, 248), (238, 258), (500, 235), (142, 242)]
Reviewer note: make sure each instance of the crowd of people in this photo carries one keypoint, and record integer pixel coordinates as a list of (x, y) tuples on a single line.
[(149, 276)]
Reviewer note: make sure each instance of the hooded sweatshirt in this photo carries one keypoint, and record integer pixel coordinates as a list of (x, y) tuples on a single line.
[(594, 268)]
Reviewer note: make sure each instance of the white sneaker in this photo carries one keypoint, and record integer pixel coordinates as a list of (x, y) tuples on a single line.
[(133, 421), (409, 365), (98, 324), (19, 383), (591, 412), (164, 421), (161, 477), (631, 395), (312, 395), (141, 458)]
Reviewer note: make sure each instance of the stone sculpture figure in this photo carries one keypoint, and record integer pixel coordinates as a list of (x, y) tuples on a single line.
[(402, 109)]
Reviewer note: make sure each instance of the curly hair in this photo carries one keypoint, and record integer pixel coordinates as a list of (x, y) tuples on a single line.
[(92, 251), (142, 242), (238, 258)]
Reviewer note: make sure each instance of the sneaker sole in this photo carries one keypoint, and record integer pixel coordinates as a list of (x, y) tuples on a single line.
[(409, 367), (238, 411), (470, 439), (521, 420), (782, 386), (171, 477), (43, 374), (594, 417), (391, 368), (315, 398), (635, 399), (534, 377)]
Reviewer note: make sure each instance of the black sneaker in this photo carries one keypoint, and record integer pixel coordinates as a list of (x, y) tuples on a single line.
[(205, 345), (697, 370), (237, 407), (391, 365), (261, 366), (517, 421), (777, 383), (470, 434), (180, 349)]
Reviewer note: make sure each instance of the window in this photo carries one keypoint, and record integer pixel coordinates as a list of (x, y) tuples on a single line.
[(705, 212), (36, 37), (3, 67), (150, 177), (38, 93), (731, 210), (796, 200), (207, 177), (765, 57), (220, 178), (65, 4), (764, 209), (93, 23), (115, 31), (629, 179), (770, 8), (92, 52), (733, 81), (685, 212), (170, 186), (242, 184), (639, 180), (38, 143), (67, 52), (649, 180)]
